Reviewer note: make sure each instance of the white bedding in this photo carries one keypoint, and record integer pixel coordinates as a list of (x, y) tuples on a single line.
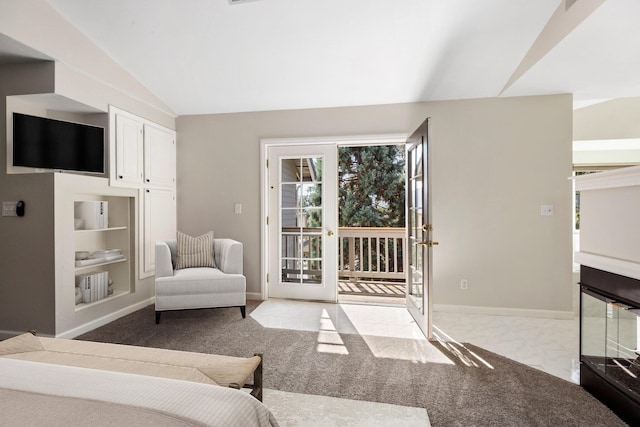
[(188, 402)]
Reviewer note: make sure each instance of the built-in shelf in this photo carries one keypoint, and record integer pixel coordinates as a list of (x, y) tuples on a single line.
[(116, 294), (120, 236), (87, 267), (101, 229)]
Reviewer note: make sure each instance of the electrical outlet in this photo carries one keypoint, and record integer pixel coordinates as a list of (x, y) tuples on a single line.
[(464, 284)]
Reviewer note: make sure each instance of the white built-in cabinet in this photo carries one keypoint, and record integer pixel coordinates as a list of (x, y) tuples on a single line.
[(157, 226), (142, 152), (128, 149), (143, 156), (159, 157)]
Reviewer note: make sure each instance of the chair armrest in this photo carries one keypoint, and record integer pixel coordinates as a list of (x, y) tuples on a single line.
[(163, 260), (228, 253)]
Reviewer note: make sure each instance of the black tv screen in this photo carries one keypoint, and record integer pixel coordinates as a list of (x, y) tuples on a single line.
[(53, 144)]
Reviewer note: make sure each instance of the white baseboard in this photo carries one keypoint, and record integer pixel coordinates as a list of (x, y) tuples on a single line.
[(89, 326), (502, 311), (257, 296)]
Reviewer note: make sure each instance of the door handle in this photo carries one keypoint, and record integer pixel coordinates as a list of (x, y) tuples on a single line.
[(429, 243)]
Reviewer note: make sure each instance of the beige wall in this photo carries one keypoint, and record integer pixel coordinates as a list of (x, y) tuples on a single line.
[(27, 269), (609, 222), (615, 119), (495, 161)]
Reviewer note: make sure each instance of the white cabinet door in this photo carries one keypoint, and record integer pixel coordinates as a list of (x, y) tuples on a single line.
[(159, 156), (159, 223), (128, 143)]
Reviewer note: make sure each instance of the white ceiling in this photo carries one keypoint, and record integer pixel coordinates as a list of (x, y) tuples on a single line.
[(207, 56)]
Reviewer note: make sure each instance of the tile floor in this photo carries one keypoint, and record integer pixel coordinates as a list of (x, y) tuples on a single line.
[(550, 345)]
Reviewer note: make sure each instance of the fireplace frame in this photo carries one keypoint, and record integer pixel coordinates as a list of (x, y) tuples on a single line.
[(608, 287)]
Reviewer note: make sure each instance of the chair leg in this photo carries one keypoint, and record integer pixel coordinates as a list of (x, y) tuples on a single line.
[(243, 310), (158, 313)]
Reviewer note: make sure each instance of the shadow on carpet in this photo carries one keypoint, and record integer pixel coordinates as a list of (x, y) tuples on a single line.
[(473, 388)]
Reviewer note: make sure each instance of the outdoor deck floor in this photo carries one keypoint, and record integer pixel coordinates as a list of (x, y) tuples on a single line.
[(371, 292)]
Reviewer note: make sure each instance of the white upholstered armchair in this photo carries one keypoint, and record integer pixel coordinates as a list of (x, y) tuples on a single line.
[(200, 287)]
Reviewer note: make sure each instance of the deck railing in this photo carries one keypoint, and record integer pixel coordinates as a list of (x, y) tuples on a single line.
[(371, 253)]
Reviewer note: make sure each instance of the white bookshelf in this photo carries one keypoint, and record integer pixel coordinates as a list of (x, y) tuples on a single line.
[(117, 235), (120, 232)]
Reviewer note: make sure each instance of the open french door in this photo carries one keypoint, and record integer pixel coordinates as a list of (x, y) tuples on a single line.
[(419, 229), (302, 222)]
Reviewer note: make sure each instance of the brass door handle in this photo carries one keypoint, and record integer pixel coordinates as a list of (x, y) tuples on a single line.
[(429, 243), (329, 233)]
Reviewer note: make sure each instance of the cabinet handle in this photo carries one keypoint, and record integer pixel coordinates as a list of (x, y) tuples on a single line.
[(119, 176), (147, 179), (148, 191)]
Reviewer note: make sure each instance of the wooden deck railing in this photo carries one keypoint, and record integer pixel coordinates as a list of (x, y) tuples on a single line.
[(371, 253), (364, 253)]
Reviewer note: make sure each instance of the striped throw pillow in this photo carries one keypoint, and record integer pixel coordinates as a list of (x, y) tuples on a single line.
[(195, 251)]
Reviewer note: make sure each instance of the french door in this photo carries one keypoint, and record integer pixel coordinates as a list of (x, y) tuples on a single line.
[(302, 222), (419, 229)]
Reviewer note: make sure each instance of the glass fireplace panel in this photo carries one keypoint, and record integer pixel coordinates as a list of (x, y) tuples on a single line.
[(622, 340), (593, 334), (609, 341)]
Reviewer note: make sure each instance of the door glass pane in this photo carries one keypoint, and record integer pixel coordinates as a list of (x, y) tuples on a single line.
[(310, 169), (416, 232), (290, 195), (301, 218), (311, 195)]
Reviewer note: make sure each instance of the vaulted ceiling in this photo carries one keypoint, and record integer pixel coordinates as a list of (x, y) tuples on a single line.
[(209, 56)]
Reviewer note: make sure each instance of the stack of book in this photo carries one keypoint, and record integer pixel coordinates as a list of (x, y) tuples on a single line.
[(94, 286), (101, 256), (108, 254)]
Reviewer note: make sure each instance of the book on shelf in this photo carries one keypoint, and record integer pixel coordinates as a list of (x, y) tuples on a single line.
[(94, 286), (94, 213)]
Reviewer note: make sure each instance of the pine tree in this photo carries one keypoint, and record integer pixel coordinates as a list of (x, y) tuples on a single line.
[(371, 181)]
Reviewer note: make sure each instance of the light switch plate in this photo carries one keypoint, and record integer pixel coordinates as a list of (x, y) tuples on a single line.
[(237, 208), (9, 208), (546, 210)]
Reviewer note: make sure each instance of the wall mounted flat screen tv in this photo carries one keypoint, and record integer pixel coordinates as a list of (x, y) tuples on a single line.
[(44, 143)]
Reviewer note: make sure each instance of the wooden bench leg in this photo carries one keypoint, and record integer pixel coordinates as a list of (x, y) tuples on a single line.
[(257, 379)]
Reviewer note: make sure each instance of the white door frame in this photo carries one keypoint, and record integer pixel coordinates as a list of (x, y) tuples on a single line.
[(264, 180)]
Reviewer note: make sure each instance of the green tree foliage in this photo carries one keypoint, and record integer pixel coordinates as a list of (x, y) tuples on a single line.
[(371, 184)]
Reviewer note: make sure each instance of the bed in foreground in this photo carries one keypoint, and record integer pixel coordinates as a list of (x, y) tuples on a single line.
[(47, 381)]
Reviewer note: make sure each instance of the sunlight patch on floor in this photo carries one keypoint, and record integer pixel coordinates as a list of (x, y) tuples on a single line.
[(329, 340), (389, 332)]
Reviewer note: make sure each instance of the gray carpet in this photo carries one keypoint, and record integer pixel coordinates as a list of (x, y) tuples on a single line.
[(510, 394)]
